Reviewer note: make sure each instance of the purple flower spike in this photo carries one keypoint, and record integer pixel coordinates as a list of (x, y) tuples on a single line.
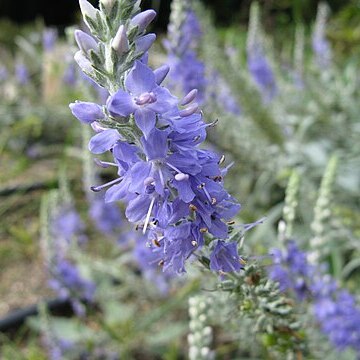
[(225, 257), (87, 112)]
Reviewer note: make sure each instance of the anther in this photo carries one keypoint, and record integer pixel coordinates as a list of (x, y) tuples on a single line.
[(161, 262), (181, 177), (231, 222), (213, 201), (204, 230), (156, 242), (99, 188), (222, 159), (192, 207), (149, 181), (103, 164), (214, 123), (194, 243)]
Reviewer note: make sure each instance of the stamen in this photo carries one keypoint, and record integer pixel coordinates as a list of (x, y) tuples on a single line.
[(100, 187), (194, 243), (156, 242), (202, 187), (204, 230), (214, 123), (145, 98), (173, 167), (222, 159), (149, 181), (192, 207), (104, 164), (148, 215), (162, 178)]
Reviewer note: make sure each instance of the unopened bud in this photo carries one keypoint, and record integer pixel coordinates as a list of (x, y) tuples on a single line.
[(107, 4), (87, 9), (120, 42), (189, 97), (143, 19), (144, 43), (160, 73), (85, 41), (83, 62), (191, 109)]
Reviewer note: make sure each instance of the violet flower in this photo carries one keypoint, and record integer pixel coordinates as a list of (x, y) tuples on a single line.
[(225, 257), (143, 98), (262, 73), (172, 189), (22, 73), (334, 309), (49, 39)]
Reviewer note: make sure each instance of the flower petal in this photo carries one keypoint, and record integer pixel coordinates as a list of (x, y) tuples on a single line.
[(139, 172), (141, 79), (185, 192), (155, 145), (145, 119), (138, 208), (121, 104), (165, 101), (103, 141)]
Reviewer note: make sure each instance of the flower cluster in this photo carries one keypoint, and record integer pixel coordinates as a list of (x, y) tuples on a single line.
[(173, 189), (334, 308), (185, 68)]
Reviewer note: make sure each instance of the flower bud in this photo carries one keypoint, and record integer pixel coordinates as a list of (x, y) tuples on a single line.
[(144, 43), (86, 112), (191, 109), (83, 62), (143, 19), (107, 4), (120, 42), (189, 97), (85, 41), (160, 73), (87, 9)]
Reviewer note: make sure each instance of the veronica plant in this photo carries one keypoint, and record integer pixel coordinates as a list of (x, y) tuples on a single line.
[(334, 308), (320, 44), (258, 63), (172, 188)]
